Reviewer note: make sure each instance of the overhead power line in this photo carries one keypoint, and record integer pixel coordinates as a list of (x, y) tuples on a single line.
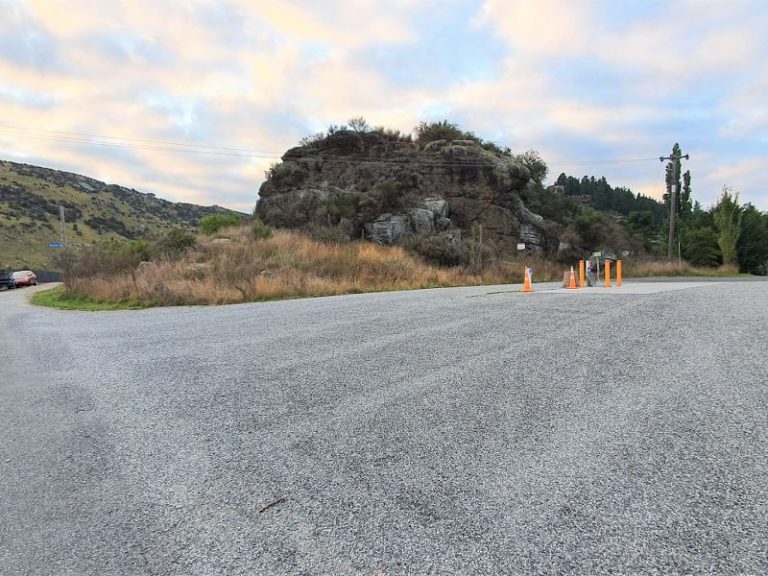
[(130, 143), (604, 161)]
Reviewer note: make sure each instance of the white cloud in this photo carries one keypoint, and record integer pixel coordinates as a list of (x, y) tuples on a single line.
[(259, 76), (543, 28)]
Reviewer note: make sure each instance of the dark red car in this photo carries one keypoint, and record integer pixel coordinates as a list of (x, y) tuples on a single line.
[(24, 278)]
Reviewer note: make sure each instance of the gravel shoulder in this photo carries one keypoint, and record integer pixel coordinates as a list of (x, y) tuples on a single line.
[(461, 431)]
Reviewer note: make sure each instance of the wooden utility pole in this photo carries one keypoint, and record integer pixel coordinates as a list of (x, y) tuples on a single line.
[(63, 228), (673, 200)]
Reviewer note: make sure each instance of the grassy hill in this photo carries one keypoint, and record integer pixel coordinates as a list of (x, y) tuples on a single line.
[(30, 197)]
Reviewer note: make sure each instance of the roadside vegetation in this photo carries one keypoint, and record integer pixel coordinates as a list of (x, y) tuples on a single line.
[(251, 263), (59, 298), (234, 258)]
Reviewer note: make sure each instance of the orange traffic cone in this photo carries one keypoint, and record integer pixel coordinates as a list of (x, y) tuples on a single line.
[(572, 283), (527, 280)]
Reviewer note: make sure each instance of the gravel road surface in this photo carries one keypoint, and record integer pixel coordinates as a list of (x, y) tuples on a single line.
[(475, 431)]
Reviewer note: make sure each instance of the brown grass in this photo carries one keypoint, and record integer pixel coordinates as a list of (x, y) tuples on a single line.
[(287, 265), (641, 268), (290, 265)]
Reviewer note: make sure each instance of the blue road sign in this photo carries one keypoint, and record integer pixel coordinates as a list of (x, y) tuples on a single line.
[(55, 244)]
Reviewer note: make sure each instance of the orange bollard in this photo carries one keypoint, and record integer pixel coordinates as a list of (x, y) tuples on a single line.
[(572, 283), (618, 273), (581, 274), (607, 273), (527, 280)]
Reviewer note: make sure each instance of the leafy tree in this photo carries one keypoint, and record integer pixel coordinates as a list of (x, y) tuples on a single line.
[(701, 218), (598, 230), (589, 225), (553, 206), (358, 124), (640, 223), (700, 247), (533, 161), (727, 215), (685, 205), (752, 246)]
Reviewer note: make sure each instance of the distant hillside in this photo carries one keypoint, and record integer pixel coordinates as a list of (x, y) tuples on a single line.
[(602, 196), (30, 197)]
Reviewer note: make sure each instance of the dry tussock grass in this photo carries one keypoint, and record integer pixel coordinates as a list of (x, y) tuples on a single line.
[(290, 265), (287, 265), (663, 268)]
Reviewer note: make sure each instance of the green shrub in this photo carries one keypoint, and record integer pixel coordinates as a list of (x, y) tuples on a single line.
[(338, 234), (427, 132), (342, 206), (260, 230), (700, 248), (116, 256), (442, 249), (173, 243), (389, 195), (140, 249), (590, 225), (214, 222), (104, 258)]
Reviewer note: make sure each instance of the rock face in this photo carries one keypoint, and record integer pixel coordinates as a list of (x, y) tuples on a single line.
[(387, 189), (387, 228)]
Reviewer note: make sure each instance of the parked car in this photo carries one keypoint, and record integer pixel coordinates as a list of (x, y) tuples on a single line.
[(6, 280), (24, 278)]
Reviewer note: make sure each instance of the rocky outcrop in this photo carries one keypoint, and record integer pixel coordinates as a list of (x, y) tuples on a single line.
[(388, 228), (424, 221), (387, 189)]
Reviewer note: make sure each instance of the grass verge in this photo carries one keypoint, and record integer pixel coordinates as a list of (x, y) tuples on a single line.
[(240, 268), (641, 269), (58, 298), (244, 269)]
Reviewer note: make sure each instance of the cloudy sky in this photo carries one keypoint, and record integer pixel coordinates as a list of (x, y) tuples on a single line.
[(194, 99)]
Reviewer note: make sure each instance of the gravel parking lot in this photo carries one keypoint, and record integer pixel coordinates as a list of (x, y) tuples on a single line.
[(470, 431)]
